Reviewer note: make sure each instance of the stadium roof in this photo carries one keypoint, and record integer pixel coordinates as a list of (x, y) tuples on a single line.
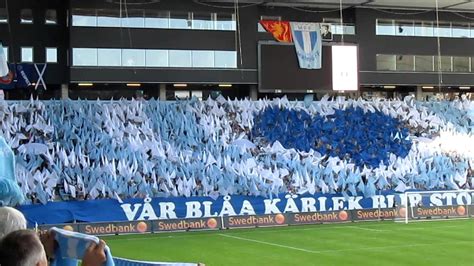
[(459, 5)]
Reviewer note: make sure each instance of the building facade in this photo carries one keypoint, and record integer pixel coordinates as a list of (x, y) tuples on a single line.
[(162, 49)]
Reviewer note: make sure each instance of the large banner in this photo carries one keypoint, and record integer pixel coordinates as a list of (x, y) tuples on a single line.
[(22, 76), (307, 39), (200, 207), (280, 30)]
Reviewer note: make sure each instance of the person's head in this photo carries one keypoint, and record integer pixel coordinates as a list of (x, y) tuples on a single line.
[(11, 220), (21, 248), (325, 28)]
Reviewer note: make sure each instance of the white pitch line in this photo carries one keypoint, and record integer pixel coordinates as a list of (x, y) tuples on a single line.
[(367, 229), (269, 243)]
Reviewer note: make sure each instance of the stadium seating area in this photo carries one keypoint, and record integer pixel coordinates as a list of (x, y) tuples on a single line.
[(96, 149)]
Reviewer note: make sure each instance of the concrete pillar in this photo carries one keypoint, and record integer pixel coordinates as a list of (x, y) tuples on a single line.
[(419, 93), (162, 92), (64, 91), (253, 92)]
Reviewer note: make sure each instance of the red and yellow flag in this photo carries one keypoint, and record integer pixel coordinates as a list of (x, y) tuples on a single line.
[(280, 30)]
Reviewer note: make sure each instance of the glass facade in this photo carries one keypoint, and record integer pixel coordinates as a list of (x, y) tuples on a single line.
[(424, 63), (51, 55), (27, 54), (154, 58), (26, 16), (3, 15), (50, 17), (424, 28), (155, 19)]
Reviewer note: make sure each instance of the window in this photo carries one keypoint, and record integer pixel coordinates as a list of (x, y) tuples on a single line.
[(157, 20), (135, 19), (51, 55), (156, 58), (461, 64), (346, 28), (181, 95), (446, 65), (386, 62), (405, 63), (225, 59), (84, 57), (424, 63), (84, 18), (109, 57), (225, 22), (27, 54), (108, 18), (461, 30), (203, 58), (404, 28), (385, 27), (3, 15), (443, 30), (26, 16), (181, 20), (50, 17), (179, 58), (133, 57), (424, 28), (204, 21)]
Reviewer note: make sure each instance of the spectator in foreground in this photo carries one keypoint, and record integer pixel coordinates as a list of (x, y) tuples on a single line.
[(11, 220), (22, 248)]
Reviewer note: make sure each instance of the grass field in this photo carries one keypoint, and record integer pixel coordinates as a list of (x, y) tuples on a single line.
[(369, 243)]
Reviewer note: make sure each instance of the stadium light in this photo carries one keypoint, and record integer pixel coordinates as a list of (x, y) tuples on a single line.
[(133, 84), (178, 85), (427, 87), (389, 87), (345, 69), (464, 88), (85, 84), (225, 85)]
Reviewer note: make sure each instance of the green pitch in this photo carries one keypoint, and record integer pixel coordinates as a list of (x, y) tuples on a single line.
[(369, 243)]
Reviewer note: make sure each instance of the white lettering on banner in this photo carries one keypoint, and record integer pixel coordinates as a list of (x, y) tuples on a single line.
[(207, 209), (290, 204), (167, 210), (449, 198), (354, 203), (378, 202), (247, 208), (148, 213), (193, 209), (322, 204), (308, 205), (270, 206), (130, 213), (227, 208), (435, 199), (338, 203), (467, 199), (198, 209)]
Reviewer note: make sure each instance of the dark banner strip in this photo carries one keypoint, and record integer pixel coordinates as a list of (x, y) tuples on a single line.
[(471, 210), (440, 211), (115, 228), (318, 217), (378, 214), (186, 224), (255, 220)]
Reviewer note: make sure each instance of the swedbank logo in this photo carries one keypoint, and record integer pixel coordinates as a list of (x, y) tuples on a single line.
[(122, 228), (175, 225), (374, 214), (319, 217), (441, 211), (256, 220)]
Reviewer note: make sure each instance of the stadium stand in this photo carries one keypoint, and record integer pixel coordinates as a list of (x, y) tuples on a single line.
[(73, 150)]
